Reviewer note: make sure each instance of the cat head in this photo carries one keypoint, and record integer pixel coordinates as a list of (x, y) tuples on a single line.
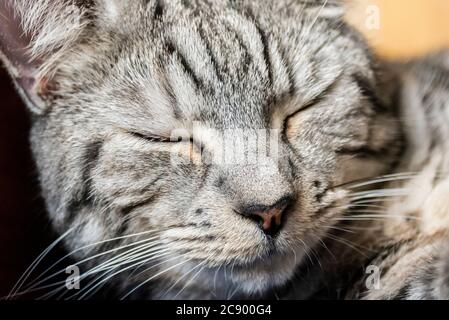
[(134, 100)]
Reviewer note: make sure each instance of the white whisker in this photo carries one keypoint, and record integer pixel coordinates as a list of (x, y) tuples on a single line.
[(34, 264), (34, 283), (347, 243), (153, 277), (192, 278)]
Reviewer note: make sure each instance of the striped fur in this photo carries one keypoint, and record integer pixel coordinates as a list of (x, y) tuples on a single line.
[(400, 228), (417, 266), (118, 77)]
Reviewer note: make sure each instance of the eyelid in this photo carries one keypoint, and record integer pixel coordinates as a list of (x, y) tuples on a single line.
[(151, 138), (314, 101), (156, 138), (309, 104), (317, 98)]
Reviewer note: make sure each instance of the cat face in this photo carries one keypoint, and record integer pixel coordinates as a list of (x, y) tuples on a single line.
[(139, 104)]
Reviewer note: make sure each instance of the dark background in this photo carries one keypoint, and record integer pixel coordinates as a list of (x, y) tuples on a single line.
[(24, 229)]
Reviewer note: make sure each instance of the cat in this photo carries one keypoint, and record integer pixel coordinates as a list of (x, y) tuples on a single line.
[(109, 82)]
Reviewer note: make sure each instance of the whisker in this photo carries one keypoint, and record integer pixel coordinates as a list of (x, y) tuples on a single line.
[(374, 200), (366, 206), (215, 277), (98, 282), (349, 184), (96, 244), (95, 291), (33, 283), (290, 246), (306, 251), (323, 244), (34, 264), (181, 278), (370, 215), (340, 229), (349, 244), (378, 195), (191, 279), (136, 253), (100, 268), (356, 228), (318, 14), (236, 289), (382, 179), (151, 278), (387, 191), (114, 274)]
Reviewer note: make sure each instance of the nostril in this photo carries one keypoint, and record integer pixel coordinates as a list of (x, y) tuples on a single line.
[(269, 222), (258, 220), (269, 218)]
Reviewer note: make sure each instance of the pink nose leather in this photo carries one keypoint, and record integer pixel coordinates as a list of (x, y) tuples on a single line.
[(271, 218)]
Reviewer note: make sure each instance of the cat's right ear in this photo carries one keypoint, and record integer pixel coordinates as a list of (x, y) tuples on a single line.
[(33, 34)]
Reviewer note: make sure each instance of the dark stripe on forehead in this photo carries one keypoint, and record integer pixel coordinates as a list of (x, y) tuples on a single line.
[(248, 58), (209, 51), (266, 53), (173, 51), (158, 9), (290, 73), (266, 49), (168, 89)]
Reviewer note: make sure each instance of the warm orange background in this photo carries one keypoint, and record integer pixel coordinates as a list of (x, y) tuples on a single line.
[(407, 27)]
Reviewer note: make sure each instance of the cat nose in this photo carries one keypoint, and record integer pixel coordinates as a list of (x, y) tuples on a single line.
[(269, 218)]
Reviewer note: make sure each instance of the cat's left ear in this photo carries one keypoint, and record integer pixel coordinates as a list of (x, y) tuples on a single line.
[(33, 34)]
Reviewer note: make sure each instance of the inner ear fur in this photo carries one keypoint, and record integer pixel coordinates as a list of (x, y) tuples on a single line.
[(34, 34)]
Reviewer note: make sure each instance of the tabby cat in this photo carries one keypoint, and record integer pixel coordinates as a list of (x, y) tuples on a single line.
[(119, 89)]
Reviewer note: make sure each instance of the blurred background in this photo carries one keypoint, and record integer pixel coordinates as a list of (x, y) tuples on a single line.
[(398, 29), (401, 29)]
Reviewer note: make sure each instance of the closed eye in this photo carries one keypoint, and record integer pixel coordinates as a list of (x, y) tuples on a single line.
[(308, 105), (316, 100), (361, 152), (157, 138), (313, 102)]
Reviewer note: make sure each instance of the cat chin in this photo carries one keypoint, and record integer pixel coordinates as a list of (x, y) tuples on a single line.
[(267, 274), (235, 281)]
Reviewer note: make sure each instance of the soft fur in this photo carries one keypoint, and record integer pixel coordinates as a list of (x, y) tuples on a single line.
[(413, 258), (110, 76)]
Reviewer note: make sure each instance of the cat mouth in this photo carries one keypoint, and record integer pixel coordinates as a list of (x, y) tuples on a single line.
[(258, 277)]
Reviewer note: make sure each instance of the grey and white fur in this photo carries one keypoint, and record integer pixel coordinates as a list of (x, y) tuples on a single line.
[(107, 82)]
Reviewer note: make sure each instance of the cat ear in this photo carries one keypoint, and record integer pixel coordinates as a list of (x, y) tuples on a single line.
[(33, 35), (329, 9)]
